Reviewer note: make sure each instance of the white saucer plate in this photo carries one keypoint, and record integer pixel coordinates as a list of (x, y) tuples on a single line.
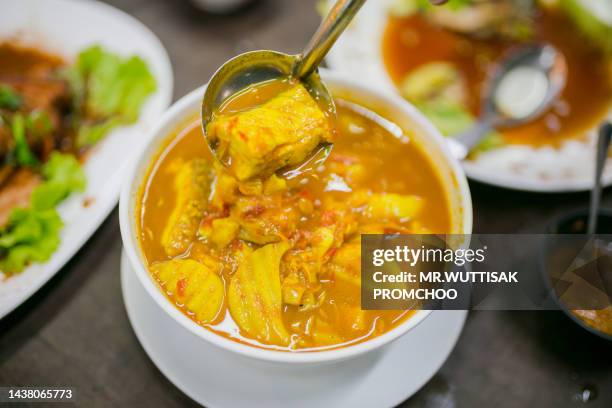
[(65, 27), (217, 378)]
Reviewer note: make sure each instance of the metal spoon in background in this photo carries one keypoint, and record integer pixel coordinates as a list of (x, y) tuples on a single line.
[(603, 143), (259, 66), (523, 86)]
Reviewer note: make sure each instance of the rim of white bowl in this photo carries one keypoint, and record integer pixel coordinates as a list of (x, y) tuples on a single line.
[(180, 111)]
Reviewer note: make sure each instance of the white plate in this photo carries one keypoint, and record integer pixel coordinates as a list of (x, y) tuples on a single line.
[(217, 378), (358, 54), (65, 27)]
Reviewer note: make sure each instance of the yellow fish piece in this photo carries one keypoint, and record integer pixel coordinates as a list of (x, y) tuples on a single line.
[(192, 187), (281, 132)]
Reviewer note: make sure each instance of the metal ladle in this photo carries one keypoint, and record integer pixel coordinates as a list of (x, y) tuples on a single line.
[(542, 60), (256, 67)]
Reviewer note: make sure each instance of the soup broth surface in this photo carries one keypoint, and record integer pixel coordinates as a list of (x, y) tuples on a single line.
[(372, 182)]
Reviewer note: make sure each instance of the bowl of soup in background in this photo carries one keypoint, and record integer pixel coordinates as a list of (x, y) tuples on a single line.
[(392, 108)]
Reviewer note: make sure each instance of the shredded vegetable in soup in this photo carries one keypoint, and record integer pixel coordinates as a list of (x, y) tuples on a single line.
[(273, 261)]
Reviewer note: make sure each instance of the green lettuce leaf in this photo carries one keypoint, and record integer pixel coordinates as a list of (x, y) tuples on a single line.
[(452, 119), (115, 87), (111, 90), (63, 175), (32, 234), (449, 117)]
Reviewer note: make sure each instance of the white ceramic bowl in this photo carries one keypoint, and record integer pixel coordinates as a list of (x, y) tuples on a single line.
[(390, 106)]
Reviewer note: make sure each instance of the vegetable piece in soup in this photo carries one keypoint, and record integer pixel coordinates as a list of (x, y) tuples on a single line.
[(255, 295), (281, 132), (194, 285), (192, 186)]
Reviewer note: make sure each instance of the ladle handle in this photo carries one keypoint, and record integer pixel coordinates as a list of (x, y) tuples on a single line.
[(464, 142), (326, 35), (603, 144)]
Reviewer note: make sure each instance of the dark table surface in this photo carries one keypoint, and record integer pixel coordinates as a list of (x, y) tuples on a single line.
[(75, 330)]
